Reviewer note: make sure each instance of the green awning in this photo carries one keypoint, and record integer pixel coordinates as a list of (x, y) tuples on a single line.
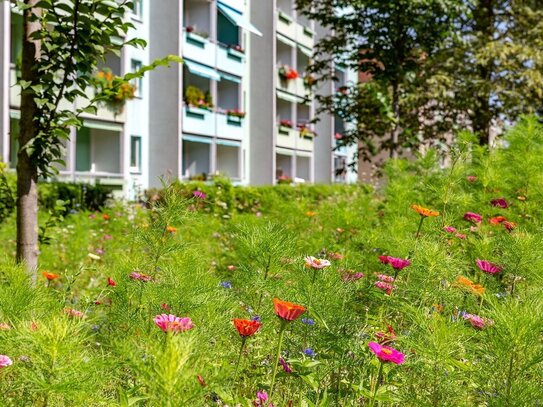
[(229, 77), (228, 143), (237, 18), (288, 97), (305, 50), (286, 40), (197, 139), (94, 124), (202, 70)]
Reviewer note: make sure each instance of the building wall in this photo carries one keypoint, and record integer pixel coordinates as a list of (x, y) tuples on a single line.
[(4, 79)]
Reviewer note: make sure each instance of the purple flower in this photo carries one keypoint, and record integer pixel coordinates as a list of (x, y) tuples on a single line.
[(309, 352), (499, 203), (256, 318), (286, 367), (308, 321), (199, 194), (225, 284)]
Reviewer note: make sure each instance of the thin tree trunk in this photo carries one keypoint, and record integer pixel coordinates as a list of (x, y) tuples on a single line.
[(27, 169), (396, 132)]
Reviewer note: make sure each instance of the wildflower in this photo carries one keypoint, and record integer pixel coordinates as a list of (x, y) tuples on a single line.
[(165, 307), (460, 236), (437, 308), (397, 263), (201, 380), (199, 194), (476, 321), (471, 178), (496, 220), (312, 262), (386, 354), (171, 229), (488, 267), (499, 203), (4, 326), (425, 212), (255, 318), (335, 256), (172, 323), (449, 229), (225, 284), (509, 225), (285, 366), (100, 251), (473, 217), (50, 276), (349, 275), (74, 313), (309, 352), (385, 278), (135, 275), (468, 285), (384, 286), (385, 338), (261, 399), (310, 214), (111, 282), (231, 268), (105, 216), (384, 259), (107, 237), (5, 361), (246, 327), (287, 311), (308, 321)]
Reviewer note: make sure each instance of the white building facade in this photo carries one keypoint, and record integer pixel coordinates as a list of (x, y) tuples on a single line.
[(240, 105)]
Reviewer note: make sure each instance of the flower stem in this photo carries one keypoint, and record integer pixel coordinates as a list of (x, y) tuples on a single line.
[(243, 340), (420, 226), (278, 354), (376, 384)]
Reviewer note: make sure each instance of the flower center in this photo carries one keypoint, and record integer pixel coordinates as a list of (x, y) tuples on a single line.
[(386, 351)]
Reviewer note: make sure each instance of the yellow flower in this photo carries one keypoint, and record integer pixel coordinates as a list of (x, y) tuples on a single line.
[(424, 211)]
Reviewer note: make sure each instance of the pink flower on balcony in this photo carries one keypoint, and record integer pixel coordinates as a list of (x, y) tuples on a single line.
[(488, 267), (172, 323), (386, 353), (473, 217)]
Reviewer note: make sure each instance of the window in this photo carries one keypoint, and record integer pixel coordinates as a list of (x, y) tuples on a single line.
[(137, 8), (16, 38), (135, 153), (136, 82)]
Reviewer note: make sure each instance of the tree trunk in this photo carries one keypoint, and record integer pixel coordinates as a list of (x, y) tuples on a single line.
[(27, 169), (397, 130)]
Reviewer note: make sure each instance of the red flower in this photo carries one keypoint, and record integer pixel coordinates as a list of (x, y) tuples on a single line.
[(246, 327), (496, 220), (50, 276), (105, 216), (287, 311), (111, 282), (201, 380)]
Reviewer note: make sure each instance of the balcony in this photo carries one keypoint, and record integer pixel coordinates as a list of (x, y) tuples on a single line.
[(286, 25), (199, 49), (230, 127), (103, 112), (231, 61), (199, 121), (305, 36), (305, 141), (286, 137)]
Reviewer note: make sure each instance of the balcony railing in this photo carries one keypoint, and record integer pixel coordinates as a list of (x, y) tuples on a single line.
[(286, 137), (199, 121), (199, 49), (230, 127), (230, 60)]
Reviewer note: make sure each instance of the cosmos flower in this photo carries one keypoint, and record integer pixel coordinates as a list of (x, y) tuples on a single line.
[(287, 311), (509, 225), (314, 263), (384, 286), (473, 217), (74, 313), (496, 220), (424, 212), (111, 282), (246, 327), (135, 275), (386, 353), (5, 361), (199, 194), (449, 229), (397, 263), (172, 323), (476, 321), (385, 278), (469, 286), (499, 203), (488, 267)]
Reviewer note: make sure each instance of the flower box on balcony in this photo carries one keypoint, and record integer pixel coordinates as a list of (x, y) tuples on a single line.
[(285, 18), (197, 39), (197, 112), (308, 32), (235, 55)]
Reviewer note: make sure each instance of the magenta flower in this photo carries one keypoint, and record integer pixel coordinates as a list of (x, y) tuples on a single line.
[(499, 203), (488, 267), (476, 321), (383, 259), (449, 229), (172, 323), (473, 217), (386, 353), (199, 194), (471, 178), (285, 366), (5, 361), (385, 278), (140, 276), (384, 286), (347, 277), (397, 263)]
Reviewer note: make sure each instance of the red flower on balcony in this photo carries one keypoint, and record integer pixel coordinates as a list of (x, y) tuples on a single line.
[(286, 123), (287, 73), (236, 113)]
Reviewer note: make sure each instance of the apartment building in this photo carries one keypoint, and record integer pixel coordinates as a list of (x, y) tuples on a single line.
[(240, 105)]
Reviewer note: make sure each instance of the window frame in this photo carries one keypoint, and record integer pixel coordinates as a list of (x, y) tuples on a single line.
[(138, 167), (136, 65)]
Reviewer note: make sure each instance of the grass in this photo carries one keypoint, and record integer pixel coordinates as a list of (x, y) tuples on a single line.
[(213, 265)]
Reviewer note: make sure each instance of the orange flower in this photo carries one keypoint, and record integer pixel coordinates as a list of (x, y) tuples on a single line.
[(246, 327), (470, 286), (497, 220), (424, 211), (287, 311), (105, 216), (310, 214), (171, 229), (50, 276)]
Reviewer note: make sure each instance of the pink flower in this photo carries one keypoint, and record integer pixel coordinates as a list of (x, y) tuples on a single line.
[(476, 321), (386, 353), (383, 259), (285, 366), (314, 263), (397, 263), (488, 267), (5, 361), (140, 276), (473, 217), (348, 277), (74, 313), (460, 236), (165, 307), (386, 287), (449, 229), (499, 203), (199, 194), (471, 178), (172, 323), (385, 278), (231, 268)]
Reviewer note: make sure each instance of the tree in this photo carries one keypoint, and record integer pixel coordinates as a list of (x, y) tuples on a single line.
[(496, 67), (63, 43), (392, 43)]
